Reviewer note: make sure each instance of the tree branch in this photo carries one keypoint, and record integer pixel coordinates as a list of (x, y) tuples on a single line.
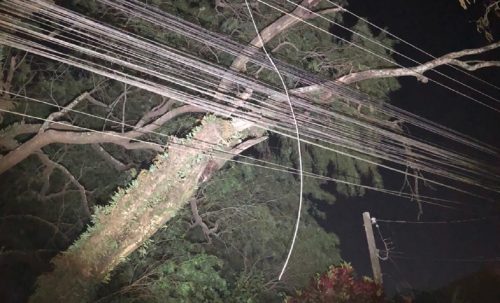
[(416, 71), (277, 27), (83, 193), (125, 140), (215, 164), (119, 166), (56, 115), (301, 12), (8, 135), (159, 110), (198, 221)]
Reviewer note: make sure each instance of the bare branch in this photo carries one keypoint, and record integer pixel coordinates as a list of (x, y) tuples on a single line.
[(10, 74), (239, 149), (56, 115), (157, 111), (417, 71), (279, 26), (301, 12), (475, 65), (125, 140), (83, 193), (198, 221), (119, 166), (8, 135), (94, 101), (174, 113)]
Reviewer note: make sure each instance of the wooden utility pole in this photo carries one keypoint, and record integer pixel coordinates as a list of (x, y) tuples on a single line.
[(372, 247)]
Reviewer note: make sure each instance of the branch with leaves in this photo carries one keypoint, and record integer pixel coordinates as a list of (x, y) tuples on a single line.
[(454, 58)]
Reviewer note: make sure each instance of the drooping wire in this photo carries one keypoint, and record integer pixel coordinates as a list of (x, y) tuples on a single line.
[(299, 150)]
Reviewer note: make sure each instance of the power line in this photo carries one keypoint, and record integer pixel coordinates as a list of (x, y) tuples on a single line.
[(396, 255), (275, 167), (383, 151), (394, 51), (172, 23), (299, 150), (470, 220), (410, 44), (380, 56)]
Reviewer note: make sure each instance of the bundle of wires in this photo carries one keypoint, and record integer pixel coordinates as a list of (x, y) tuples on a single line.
[(56, 33)]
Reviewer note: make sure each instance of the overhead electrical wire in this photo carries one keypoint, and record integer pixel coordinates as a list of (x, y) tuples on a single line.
[(89, 26), (282, 168), (392, 50), (469, 220), (217, 154), (410, 44), (401, 255), (135, 9), (160, 18), (299, 149), (378, 55)]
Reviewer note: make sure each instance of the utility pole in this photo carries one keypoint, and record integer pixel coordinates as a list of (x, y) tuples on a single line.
[(372, 247)]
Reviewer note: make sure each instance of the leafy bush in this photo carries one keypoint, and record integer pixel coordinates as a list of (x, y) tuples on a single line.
[(338, 285)]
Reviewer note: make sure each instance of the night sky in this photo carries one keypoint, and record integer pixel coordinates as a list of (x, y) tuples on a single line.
[(438, 27)]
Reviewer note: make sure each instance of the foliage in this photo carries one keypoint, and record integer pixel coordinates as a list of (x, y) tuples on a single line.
[(339, 285), (249, 206), (194, 280), (172, 268), (489, 15)]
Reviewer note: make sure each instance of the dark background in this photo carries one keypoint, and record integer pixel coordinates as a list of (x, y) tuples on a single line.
[(430, 251)]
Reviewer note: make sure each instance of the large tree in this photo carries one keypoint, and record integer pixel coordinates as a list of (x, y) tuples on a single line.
[(68, 165)]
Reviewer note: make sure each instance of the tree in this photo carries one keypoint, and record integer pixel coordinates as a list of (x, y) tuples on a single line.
[(339, 284), (155, 196)]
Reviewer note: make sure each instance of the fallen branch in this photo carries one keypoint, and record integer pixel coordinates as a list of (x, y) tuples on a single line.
[(134, 215)]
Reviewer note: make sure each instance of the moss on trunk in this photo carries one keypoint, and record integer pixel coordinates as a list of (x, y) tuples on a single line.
[(134, 215)]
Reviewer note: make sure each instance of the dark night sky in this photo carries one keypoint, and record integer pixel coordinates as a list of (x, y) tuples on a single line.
[(439, 27)]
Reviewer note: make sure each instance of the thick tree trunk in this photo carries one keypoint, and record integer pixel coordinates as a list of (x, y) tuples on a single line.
[(135, 214)]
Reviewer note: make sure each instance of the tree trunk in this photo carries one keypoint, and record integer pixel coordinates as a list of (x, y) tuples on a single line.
[(135, 214)]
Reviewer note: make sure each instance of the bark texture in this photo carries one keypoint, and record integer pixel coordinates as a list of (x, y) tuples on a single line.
[(135, 214)]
